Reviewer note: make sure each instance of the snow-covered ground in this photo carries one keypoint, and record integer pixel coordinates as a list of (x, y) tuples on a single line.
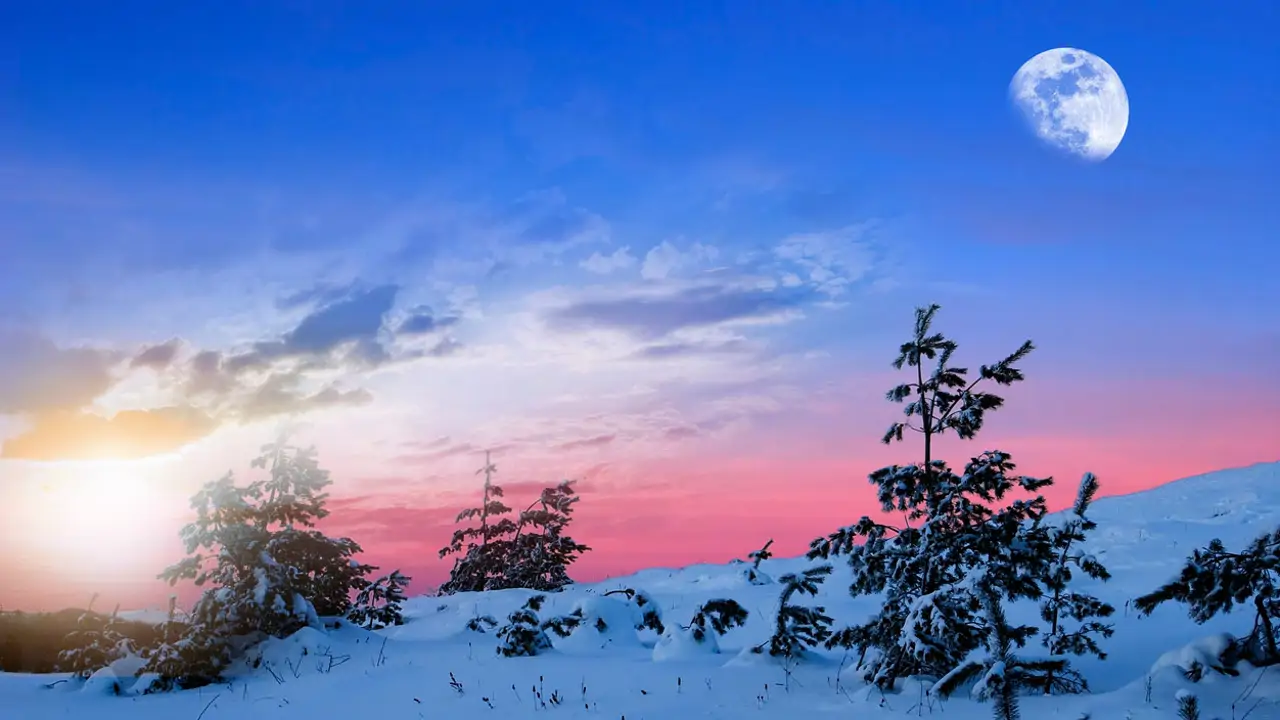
[(406, 672)]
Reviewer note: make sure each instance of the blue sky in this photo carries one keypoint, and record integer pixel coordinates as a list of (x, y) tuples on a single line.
[(602, 227)]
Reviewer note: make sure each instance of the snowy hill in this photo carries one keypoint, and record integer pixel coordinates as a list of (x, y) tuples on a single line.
[(405, 672)]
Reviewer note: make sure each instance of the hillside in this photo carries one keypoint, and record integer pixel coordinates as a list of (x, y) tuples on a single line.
[(405, 672)]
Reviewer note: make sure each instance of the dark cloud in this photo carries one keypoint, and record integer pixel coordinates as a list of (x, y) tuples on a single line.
[(281, 395), (593, 442), (157, 357), (681, 433), (127, 435), (354, 320), (651, 317), (321, 294), (663, 351), (36, 375), (422, 321)]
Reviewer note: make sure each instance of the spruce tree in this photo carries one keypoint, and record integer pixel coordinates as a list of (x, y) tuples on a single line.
[(523, 635), (378, 603), (265, 569), (1073, 628), (998, 673), (797, 627), (540, 553), (482, 553), (94, 644), (955, 526), (1214, 581)]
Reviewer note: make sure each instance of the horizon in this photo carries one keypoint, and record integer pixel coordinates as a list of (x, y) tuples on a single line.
[(670, 255)]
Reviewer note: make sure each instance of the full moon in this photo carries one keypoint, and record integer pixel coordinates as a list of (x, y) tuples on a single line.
[(1074, 101)]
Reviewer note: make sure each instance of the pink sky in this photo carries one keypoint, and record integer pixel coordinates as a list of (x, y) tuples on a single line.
[(791, 479)]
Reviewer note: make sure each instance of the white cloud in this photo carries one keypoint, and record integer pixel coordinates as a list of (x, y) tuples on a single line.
[(665, 258), (831, 260), (620, 259)]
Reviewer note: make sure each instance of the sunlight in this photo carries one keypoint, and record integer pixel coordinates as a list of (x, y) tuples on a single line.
[(96, 520)]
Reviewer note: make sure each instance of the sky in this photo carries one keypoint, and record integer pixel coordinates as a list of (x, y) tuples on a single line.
[(667, 250)]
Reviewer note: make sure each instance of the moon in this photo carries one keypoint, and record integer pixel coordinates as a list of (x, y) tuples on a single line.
[(1074, 101)]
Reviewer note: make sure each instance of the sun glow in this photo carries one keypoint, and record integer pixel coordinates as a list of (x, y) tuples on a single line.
[(98, 521)]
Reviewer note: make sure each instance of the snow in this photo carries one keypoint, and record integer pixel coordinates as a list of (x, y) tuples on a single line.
[(404, 671)]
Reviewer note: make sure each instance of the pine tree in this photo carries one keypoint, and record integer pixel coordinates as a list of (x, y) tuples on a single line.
[(753, 573), (955, 527), (720, 615), (523, 634), (94, 644), (266, 570), (798, 627), (377, 604), (1061, 604), (998, 673), (482, 552), (1188, 706), (540, 553), (1214, 581)]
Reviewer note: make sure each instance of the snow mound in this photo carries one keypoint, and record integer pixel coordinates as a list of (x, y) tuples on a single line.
[(606, 623), (678, 644), (104, 682)]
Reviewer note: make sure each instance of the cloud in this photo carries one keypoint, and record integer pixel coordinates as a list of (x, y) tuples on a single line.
[(592, 442), (831, 260), (654, 313), (422, 321), (36, 375), (355, 319), (157, 357), (127, 435), (682, 349), (281, 394), (664, 259), (620, 259)]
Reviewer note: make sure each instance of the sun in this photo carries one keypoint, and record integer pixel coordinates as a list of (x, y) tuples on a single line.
[(97, 521)]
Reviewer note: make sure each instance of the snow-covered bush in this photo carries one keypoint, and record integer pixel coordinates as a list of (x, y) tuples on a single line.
[(377, 605), (797, 627), (714, 617), (599, 622), (1215, 580), (753, 574), (265, 572), (523, 634), (93, 645)]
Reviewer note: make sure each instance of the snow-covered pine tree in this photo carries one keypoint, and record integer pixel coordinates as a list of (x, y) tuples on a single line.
[(931, 618), (1214, 580), (997, 672), (1188, 705), (378, 602), (753, 573), (94, 644), (523, 634), (798, 627), (719, 615), (541, 552), (482, 553), (265, 569), (1061, 606)]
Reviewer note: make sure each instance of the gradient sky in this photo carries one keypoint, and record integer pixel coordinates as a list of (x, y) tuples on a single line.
[(665, 248)]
